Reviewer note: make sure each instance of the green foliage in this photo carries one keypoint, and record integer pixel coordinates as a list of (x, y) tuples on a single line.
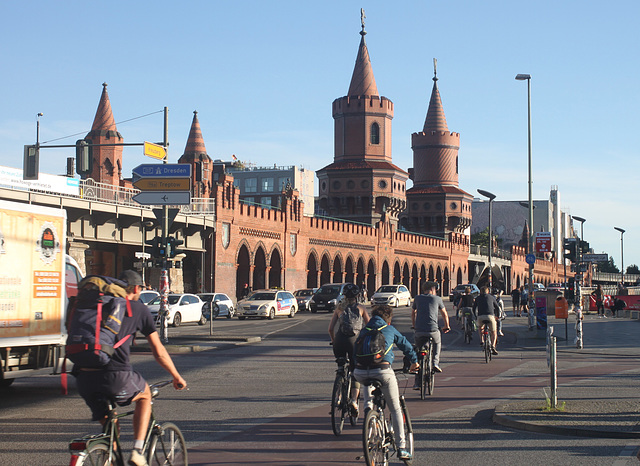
[(608, 266), (482, 238), (633, 268)]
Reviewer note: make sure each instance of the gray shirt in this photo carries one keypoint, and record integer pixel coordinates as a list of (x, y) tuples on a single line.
[(427, 307)]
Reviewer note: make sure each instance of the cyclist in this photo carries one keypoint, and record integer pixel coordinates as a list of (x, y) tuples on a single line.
[(465, 303), (424, 319), (487, 311), (347, 321), (382, 371), (117, 380)]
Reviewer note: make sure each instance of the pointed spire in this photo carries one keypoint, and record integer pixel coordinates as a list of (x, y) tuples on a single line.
[(435, 120), (195, 142), (104, 116), (363, 81)]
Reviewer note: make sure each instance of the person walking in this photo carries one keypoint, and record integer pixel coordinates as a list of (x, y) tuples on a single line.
[(502, 314), (524, 303), (598, 295), (515, 300)]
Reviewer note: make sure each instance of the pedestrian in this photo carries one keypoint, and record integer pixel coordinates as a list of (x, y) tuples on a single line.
[(502, 314), (524, 304), (598, 295), (245, 290), (515, 300)]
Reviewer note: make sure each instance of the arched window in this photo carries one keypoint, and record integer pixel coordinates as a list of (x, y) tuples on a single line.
[(375, 133)]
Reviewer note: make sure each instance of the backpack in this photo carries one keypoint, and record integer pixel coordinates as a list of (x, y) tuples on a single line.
[(371, 346), (94, 320), (351, 321)]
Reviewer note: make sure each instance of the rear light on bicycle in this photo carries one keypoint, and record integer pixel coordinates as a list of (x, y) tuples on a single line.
[(423, 353), (77, 446)]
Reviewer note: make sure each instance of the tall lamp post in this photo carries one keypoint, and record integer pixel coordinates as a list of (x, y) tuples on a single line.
[(580, 282), (621, 254), (491, 197), (527, 77)]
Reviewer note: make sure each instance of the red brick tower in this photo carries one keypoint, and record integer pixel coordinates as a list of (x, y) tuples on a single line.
[(107, 160), (362, 184), (196, 154), (435, 204)]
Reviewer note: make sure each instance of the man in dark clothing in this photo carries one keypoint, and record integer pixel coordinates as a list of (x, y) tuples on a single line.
[(424, 320), (117, 380), (515, 300), (487, 309)]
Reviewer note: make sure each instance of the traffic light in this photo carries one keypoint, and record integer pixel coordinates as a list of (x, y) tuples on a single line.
[(571, 289), (158, 247), (174, 243), (31, 163), (584, 247), (84, 156), (570, 249)]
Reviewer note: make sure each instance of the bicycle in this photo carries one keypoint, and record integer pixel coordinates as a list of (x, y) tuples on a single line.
[(341, 397), (378, 439), (426, 372), (468, 328), (164, 443), (486, 343)]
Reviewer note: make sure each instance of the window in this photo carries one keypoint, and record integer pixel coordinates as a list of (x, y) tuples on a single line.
[(282, 183), (267, 185), (250, 199), (375, 133), (250, 185), (265, 200)]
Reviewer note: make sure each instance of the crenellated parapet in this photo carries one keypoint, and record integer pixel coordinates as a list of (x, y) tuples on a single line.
[(362, 103)]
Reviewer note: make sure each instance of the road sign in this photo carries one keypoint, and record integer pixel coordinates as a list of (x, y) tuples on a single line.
[(543, 241), (154, 150), (595, 257), (162, 170), (163, 184), (163, 198), (530, 259), (142, 255)]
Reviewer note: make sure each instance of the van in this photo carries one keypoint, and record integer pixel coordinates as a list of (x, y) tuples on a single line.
[(328, 297)]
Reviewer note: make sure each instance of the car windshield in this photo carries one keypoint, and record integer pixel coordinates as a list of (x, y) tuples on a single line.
[(207, 298), (171, 299), (330, 290), (304, 293), (262, 297), (387, 289)]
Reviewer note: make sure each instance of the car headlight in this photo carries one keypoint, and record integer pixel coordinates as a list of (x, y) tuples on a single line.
[(263, 307)]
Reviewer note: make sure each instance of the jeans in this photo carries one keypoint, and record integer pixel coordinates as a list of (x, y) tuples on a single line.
[(420, 338), (391, 395)]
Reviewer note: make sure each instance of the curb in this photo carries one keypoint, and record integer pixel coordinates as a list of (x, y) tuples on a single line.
[(212, 343), (508, 421)]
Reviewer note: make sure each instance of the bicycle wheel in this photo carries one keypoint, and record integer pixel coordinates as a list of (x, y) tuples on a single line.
[(96, 455), (337, 404), (431, 373), (373, 440), (422, 375), (487, 349), (167, 446), (408, 429)]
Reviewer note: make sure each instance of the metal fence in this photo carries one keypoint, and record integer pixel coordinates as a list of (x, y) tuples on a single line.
[(479, 250)]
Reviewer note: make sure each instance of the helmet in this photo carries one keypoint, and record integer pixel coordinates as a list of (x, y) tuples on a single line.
[(350, 290)]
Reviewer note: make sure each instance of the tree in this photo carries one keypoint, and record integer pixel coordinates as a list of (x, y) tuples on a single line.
[(633, 268), (481, 238), (608, 266)]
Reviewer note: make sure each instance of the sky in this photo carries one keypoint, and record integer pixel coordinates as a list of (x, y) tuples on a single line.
[(263, 75)]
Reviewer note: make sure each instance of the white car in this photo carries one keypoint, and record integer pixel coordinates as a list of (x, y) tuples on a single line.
[(267, 304), (182, 308), (223, 305), (147, 296), (393, 295)]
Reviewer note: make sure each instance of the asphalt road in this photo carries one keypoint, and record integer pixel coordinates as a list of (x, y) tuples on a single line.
[(268, 402)]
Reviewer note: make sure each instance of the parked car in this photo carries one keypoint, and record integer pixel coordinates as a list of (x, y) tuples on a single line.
[(147, 296), (222, 305), (393, 295), (303, 297), (183, 308), (458, 290), (267, 304), (556, 287), (327, 297), (536, 287)]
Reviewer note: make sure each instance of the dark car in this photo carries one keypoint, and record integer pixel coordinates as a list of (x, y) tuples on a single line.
[(458, 290), (303, 297), (327, 298)]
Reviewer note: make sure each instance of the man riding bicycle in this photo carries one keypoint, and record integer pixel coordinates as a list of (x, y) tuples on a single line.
[(382, 371), (347, 321), (487, 311), (117, 380), (424, 319)]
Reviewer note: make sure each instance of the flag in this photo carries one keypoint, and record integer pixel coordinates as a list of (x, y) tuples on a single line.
[(235, 159)]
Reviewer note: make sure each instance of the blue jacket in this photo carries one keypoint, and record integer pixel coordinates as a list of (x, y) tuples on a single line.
[(391, 336)]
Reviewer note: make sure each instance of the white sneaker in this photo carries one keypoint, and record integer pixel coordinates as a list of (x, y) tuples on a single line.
[(137, 459)]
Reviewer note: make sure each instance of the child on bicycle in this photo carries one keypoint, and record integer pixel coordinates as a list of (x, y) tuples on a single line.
[(382, 371)]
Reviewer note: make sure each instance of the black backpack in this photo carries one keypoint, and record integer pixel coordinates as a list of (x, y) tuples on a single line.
[(351, 321), (94, 320), (371, 346)]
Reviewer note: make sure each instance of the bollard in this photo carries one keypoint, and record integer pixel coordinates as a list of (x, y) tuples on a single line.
[(578, 340)]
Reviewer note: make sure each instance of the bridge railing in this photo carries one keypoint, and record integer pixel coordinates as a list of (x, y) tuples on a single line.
[(479, 250)]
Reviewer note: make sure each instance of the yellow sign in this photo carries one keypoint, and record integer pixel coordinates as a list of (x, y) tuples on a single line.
[(154, 150), (163, 184)]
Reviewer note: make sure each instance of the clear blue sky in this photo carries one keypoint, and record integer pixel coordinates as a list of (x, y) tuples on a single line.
[(263, 75)]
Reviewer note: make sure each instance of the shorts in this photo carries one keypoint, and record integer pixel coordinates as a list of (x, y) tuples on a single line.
[(98, 387), (491, 320)]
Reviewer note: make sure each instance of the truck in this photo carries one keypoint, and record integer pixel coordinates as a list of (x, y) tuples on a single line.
[(36, 279)]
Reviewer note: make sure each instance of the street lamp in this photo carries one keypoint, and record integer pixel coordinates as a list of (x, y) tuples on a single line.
[(579, 283), (527, 77), (491, 197), (581, 220), (621, 254), (38, 129)]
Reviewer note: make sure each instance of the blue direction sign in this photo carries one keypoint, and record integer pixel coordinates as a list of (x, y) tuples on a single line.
[(160, 198), (530, 259), (162, 170)]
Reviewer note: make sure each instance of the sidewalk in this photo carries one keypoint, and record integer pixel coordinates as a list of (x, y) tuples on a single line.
[(602, 406)]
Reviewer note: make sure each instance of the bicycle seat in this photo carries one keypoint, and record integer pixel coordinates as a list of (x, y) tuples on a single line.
[(341, 361), (375, 383)]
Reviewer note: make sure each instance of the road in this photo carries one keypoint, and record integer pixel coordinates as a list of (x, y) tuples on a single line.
[(268, 402)]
